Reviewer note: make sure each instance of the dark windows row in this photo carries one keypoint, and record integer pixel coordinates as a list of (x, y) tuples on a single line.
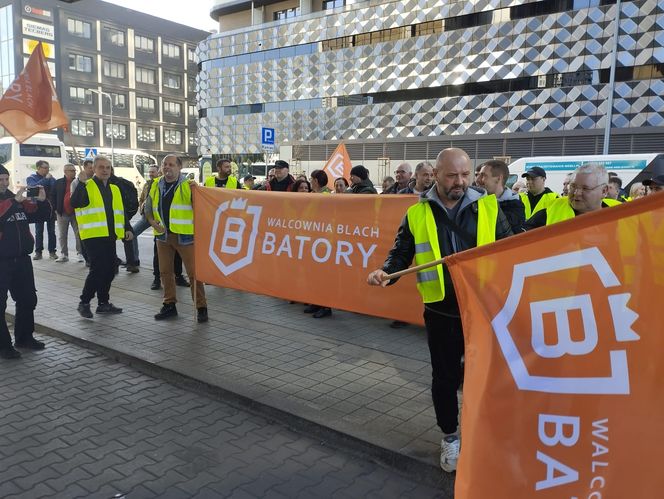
[(120, 131), (552, 80)]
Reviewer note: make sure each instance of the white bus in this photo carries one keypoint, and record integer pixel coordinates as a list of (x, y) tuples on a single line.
[(20, 159), (627, 166), (129, 164)]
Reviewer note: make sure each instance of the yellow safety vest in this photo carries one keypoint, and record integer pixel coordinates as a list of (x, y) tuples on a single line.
[(91, 219), (542, 204), (181, 214), (422, 225), (561, 210), (230, 184)]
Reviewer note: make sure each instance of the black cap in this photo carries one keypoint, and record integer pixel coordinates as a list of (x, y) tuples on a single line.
[(658, 180), (3, 170), (360, 171), (534, 171), (249, 177), (280, 163)]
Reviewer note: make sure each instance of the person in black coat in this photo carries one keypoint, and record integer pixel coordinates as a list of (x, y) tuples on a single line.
[(16, 275), (493, 178), (360, 181)]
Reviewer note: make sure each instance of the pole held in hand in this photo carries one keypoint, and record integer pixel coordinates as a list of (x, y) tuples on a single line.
[(413, 269)]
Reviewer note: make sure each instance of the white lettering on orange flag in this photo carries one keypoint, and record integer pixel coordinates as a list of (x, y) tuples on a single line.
[(338, 165), (563, 344), (30, 104)]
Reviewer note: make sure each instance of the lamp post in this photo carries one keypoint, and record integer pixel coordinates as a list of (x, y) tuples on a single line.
[(110, 103), (612, 81)]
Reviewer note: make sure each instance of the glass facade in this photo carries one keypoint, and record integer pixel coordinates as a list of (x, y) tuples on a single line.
[(7, 69)]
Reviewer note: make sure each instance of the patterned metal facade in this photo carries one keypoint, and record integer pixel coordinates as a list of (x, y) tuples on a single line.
[(577, 40)]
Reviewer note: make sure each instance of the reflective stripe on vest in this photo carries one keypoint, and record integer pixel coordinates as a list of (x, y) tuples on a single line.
[(181, 214), (92, 221), (422, 225), (561, 210), (230, 184), (542, 204)]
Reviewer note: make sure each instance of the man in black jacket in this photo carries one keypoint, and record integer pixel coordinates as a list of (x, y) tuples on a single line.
[(65, 213), (360, 181), (493, 178), (454, 208), (283, 180), (16, 275), (130, 202)]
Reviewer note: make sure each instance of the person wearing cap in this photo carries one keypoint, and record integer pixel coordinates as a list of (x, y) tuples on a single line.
[(248, 182), (16, 275), (493, 179), (283, 181), (223, 178), (654, 184), (450, 217), (360, 182), (538, 196), (588, 191)]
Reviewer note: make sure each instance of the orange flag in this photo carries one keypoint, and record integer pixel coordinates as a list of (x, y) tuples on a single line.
[(338, 165), (563, 373), (30, 104)]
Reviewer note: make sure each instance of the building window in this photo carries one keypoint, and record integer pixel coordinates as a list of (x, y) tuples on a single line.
[(191, 85), (286, 14), (78, 28), (115, 36), (191, 56), (145, 75), (146, 134), (80, 95), (172, 81), (174, 108), (192, 139), (144, 43), (114, 69), (173, 137), (119, 101), (170, 50), (193, 111), (333, 4), (81, 63), (145, 104), (119, 130), (83, 128)]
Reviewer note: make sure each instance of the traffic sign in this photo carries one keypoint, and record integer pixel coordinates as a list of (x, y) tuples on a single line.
[(90, 152), (267, 137)]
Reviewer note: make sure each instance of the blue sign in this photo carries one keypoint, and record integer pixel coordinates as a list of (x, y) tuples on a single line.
[(90, 152), (267, 136), (609, 164)]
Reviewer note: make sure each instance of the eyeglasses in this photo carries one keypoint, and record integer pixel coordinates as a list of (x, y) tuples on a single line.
[(573, 188)]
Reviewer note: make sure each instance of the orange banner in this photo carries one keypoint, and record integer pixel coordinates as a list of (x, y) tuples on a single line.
[(30, 104), (563, 392), (307, 248), (337, 166)]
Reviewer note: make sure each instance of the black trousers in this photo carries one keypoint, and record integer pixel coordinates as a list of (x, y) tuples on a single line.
[(17, 278), (101, 255), (445, 339), (39, 236), (130, 256), (177, 263)]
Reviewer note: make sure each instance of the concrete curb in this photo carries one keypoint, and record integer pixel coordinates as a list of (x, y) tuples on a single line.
[(405, 465)]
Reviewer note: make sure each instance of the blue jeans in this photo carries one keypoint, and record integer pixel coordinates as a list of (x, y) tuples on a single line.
[(141, 226)]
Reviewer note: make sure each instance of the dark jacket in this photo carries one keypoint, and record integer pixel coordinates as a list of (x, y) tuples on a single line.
[(395, 189), (539, 219), (58, 197), (513, 208), (129, 195), (364, 187), (402, 253), (284, 185), (15, 237), (80, 199)]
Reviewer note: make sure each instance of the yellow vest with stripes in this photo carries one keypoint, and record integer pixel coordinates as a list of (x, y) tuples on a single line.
[(230, 184), (91, 219), (561, 210), (542, 204), (181, 214), (422, 225)]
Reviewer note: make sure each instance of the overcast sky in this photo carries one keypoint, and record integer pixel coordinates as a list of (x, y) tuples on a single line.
[(195, 13)]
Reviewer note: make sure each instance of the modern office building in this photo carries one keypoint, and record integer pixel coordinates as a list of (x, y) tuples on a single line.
[(403, 79), (146, 65)]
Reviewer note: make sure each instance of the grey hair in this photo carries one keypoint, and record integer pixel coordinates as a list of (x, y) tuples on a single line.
[(98, 159), (421, 165), (596, 169)]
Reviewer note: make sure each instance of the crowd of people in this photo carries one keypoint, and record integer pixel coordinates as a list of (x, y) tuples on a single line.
[(99, 206)]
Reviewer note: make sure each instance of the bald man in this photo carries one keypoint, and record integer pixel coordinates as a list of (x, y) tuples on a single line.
[(453, 207)]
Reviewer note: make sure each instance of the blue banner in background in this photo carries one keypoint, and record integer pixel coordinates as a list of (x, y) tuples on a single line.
[(613, 164)]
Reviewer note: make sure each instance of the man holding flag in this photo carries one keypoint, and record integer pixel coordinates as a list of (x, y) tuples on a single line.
[(449, 217)]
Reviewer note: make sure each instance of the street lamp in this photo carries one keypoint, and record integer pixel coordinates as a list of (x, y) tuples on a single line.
[(110, 103)]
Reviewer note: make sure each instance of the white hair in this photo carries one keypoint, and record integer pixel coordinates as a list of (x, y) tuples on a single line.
[(597, 169)]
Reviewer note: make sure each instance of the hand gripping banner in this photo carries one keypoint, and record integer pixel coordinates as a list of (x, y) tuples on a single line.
[(563, 392)]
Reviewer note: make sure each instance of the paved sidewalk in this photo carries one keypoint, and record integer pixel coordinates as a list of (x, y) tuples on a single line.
[(346, 377)]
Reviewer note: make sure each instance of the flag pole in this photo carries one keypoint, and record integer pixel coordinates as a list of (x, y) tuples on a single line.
[(412, 270)]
